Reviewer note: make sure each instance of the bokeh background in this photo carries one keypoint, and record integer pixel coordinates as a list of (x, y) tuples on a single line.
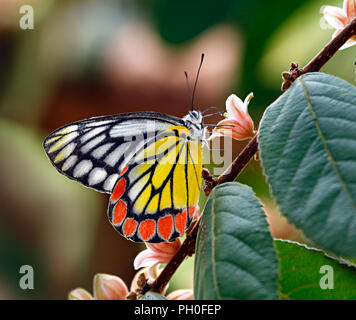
[(86, 58)]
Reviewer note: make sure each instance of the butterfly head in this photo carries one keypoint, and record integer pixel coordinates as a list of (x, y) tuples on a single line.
[(194, 122)]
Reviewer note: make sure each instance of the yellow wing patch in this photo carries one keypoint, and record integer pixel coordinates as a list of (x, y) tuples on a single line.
[(174, 164), (63, 141)]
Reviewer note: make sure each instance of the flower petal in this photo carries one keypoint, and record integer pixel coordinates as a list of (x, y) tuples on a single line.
[(350, 8), (239, 130), (232, 124), (146, 258), (247, 101), (335, 16), (79, 294), (153, 272), (234, 107), (108, 287), (164, 247), (156, 253)]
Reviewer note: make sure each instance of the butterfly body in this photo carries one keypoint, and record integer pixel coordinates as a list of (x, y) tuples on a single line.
[(149, 162)]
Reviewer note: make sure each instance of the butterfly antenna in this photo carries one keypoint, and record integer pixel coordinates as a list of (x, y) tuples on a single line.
[(208, 109), (196, 79), (220, 113), (188, 86)]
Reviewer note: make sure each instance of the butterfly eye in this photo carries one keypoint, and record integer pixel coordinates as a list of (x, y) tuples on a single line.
[(194, 114)]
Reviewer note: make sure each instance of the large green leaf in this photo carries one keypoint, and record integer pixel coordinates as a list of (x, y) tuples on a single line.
[(307, 141), (235, 258), (302, 269)]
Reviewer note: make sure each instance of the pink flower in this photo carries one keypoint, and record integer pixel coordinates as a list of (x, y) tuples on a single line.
[(109, 287), (106, 287), (156, 253), (238, 123), (338, 18)]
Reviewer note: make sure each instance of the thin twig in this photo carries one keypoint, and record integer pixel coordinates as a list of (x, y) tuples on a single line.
[(322, 57), (188, 246)]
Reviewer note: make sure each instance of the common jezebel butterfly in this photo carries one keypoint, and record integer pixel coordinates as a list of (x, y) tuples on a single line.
[(149, 162)]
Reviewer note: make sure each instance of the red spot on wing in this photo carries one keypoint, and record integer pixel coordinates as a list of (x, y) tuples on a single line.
[(129, 227), (119, 213), (119, 190), (191, 211), (123, 171), (147, 229), (165, 225), (181, 222)]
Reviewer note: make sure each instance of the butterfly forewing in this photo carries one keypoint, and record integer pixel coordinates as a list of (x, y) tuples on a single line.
[(155, 197), (95, 151)]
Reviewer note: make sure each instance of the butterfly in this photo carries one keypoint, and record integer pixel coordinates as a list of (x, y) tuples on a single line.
[(150, 163)]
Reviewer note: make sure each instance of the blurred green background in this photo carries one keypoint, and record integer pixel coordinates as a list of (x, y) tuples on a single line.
[(89, 58)]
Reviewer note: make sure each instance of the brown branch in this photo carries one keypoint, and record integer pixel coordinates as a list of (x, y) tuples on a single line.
[(322, 57), (188, 246)]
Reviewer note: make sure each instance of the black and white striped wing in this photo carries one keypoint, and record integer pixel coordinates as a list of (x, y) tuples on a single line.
[(94, 151)]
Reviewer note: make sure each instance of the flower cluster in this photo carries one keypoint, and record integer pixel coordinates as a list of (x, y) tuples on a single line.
[(110, 287)]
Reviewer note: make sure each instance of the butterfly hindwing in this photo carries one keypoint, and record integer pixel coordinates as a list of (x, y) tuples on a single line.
[(94, 151), (156, 194)]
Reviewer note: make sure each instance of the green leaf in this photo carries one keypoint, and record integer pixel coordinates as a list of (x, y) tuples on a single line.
[(235, 258), (152, 296), (307, 140), (301, 274)]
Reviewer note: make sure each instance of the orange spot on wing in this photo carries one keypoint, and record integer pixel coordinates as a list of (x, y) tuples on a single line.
[(123, 171), (191, 211), (119, 190), (181, 222), (147, 229), (119, 213), (129, 227), (165, 225)]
